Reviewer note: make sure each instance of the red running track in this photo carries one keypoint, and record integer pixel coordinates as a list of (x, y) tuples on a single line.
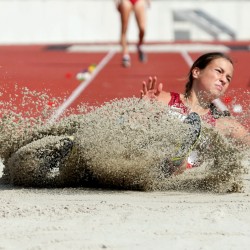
[(40, 68)]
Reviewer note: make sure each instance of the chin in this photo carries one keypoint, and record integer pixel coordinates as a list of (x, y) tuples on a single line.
[(217, 94)]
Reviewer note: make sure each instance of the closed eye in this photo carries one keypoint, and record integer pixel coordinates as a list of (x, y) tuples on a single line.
[(221, 71), (229, 79)]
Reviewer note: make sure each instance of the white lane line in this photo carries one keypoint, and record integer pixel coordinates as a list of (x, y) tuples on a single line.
[(171, 48), (82, 86), (187, 58), (217, 102)]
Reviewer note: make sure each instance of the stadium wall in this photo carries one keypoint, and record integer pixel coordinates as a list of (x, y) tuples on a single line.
[(83, 21)]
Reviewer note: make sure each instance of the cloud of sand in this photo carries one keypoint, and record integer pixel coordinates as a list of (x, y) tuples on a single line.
[(122, 144)]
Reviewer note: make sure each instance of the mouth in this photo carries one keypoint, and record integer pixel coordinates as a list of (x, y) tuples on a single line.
[(219, 87)]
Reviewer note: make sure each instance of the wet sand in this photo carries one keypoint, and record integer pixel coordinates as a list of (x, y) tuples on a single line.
[(82, 218)]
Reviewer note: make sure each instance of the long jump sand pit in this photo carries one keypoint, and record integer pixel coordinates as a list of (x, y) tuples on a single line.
[(82, 218), (98, 218)]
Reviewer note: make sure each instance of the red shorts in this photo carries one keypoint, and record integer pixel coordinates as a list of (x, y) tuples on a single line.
[(133, 1)]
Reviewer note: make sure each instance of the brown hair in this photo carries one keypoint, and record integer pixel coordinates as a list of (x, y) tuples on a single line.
[(202, 63)]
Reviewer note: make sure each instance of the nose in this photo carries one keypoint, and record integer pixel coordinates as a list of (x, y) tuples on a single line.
[(223, 79)]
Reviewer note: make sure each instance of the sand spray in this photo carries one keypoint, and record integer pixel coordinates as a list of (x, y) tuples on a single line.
[(121, 144)]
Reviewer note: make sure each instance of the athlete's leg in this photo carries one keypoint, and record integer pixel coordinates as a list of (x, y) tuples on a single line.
[(193, 119), (140, 15), (39, 163), (178, 163), (125, 11)]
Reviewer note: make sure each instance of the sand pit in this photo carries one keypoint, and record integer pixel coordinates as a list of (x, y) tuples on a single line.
[(187, 216), (82, 218)]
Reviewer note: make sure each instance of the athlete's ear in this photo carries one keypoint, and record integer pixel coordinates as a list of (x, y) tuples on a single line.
[(195, 72)]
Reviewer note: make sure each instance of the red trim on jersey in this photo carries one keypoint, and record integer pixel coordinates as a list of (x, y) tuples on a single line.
[(176, 102)]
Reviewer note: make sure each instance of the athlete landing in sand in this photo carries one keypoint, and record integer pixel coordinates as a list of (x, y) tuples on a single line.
[(38, 159), (208, 79)]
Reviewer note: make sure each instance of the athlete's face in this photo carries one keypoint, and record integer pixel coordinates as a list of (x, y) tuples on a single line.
[(213, 80)]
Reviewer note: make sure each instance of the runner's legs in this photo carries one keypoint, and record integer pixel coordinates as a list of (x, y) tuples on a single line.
[(125, 9)]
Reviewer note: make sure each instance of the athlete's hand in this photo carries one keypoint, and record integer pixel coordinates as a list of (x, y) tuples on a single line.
[(151, 89)]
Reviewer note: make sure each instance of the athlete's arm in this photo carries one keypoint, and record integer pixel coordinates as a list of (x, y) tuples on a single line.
[(230, 127)]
